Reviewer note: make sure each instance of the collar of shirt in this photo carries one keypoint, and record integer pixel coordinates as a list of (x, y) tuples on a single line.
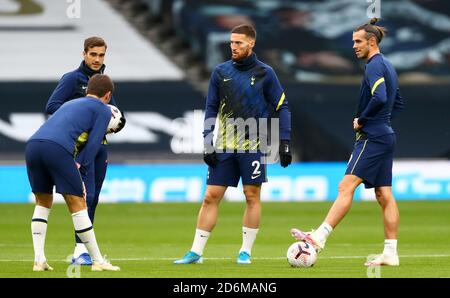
[(246, 63), (373, 57), (89, 72)]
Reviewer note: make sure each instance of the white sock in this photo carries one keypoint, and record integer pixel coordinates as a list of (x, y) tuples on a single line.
[(38, 232), (84, 230), (200, 239), (390, 247), (248, 238), (323, 231), (80, 249)]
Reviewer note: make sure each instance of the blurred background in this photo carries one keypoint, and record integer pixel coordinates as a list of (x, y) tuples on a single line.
[(160, 55)]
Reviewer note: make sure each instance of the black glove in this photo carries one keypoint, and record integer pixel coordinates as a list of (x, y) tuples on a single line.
[(121, 123), (210, 158), (285, 153)]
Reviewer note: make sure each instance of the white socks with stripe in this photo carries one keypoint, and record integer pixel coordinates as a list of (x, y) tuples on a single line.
[(200, 239), (248, 238), (84, 230), (323, 232), (38, 232), (390, 247)]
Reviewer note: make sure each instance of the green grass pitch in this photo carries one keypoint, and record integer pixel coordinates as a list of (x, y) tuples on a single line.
[(144, 239)]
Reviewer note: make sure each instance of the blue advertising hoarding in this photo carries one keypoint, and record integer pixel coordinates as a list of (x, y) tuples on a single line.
[(413, 180)]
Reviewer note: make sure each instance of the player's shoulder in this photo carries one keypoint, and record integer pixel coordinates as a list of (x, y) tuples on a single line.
[(223, 66), (265, 70), (264, 66), (100, 106), (92, 104), (222, 70), (73, 75), (376, 64)]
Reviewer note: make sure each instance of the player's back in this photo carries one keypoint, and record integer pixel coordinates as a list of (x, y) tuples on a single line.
[(70, 121)]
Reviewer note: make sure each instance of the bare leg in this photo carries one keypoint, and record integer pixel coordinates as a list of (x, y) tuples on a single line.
[(206, 221), (389, 208), (391, 219), (207, 216), (44, 199), (252, 213), (344, 199), (74, 203), (250, 222)]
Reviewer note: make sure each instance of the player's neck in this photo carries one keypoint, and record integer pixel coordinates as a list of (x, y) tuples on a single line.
[(372, 53), (92, 95)]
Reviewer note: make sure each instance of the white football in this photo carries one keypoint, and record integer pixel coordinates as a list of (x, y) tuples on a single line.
[(115, 119), (301, 254)]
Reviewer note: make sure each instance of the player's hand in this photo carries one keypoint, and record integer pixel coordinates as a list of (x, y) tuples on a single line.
[(121, 124), (285, 153), (78, 165), (356, 125), (210, 159)]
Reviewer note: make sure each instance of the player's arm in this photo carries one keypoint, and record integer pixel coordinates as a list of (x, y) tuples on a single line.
[(63, 92), (95, 138), (274, 93), (211, 108), (375, 77), (399, 104)]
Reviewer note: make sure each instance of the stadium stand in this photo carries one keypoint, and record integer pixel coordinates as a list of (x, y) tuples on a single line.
[(309, 40), (162, 51), (48, 43), (309, 44)]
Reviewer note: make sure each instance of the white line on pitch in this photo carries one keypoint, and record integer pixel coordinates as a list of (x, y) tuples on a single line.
[(254, 258)]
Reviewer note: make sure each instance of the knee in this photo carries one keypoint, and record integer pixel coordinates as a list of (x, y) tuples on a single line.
[(378, 195), (211, 198), (345, 188), (250, 193), (383, 197), (251, 196)]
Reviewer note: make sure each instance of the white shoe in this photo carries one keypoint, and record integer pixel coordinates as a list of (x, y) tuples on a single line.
[(308, 237), (386, 260), (42, 267), (105, 266)]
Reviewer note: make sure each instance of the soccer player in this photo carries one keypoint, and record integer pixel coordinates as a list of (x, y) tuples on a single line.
[(245, 89), (372, 156), (73, 85), (50, 162)]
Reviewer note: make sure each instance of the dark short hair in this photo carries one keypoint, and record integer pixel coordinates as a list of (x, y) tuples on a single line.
[(99, 85), (94, 41), (246, 29), (373, 30)]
